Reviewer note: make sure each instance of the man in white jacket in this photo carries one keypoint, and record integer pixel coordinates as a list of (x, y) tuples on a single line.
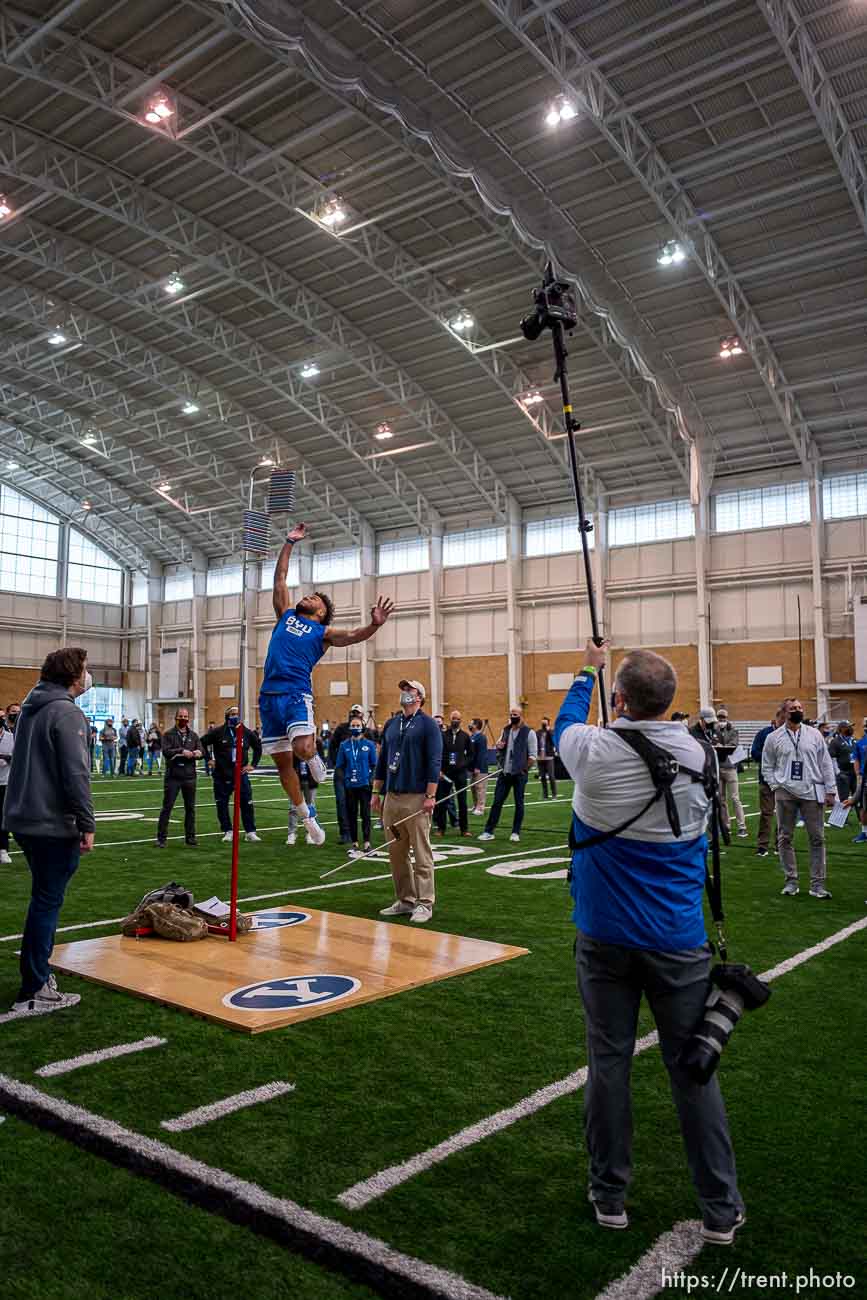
[(798, 768)]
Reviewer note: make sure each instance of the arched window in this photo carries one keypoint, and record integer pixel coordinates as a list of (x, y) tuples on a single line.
[(29, 545), (92, 574)]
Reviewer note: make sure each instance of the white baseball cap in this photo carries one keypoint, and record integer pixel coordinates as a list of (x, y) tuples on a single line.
[(417, 686)]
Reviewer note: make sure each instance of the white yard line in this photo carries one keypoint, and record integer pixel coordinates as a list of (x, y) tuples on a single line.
[(227, 1106), (354, 1253), (95, 1058), (671, 1253), (308, 889), (369, 1189)]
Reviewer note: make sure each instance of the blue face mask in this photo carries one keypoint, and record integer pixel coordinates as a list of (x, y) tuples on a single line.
[(233, 721), (355, 731)]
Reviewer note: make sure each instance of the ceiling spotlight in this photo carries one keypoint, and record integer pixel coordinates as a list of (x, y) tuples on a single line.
[(57, 339), (561, 110), (87, 505), (462, 323), (671, 253), (5, 208), (267, 460), (533, 398), (158, 111), (12, 464), (730, 347), (164, 487), (88, 439), (309, 371), (383, 432), (189, 408), (174, 284), (334, 213)]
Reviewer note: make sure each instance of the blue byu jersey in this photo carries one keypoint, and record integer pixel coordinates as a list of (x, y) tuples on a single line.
[(296, 647)]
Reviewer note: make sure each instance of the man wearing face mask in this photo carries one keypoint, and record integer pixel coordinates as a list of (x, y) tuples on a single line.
[(798, 768), (300, 638), (181, 749), (842, 750), (219, 745), (336, 739), (356, 762), (407, 771), (12, 714), (50, 811), (518, 750), (545, 759), (457, 762)]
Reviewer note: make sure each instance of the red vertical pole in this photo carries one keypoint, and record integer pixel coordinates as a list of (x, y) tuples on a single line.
[(236, 830)]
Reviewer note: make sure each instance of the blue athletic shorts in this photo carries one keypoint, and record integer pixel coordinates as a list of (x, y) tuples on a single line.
[(283, 717)]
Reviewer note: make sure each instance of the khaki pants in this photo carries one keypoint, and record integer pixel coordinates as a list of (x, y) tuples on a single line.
[(766, 816), (413, 881), (480, 790), (788, 807), (729, 790)]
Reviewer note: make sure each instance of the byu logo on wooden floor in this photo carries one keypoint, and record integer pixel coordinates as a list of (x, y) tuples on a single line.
[(277, 919), (296, 991)]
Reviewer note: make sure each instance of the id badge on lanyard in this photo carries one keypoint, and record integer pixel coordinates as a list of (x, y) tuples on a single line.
[(796, 769)]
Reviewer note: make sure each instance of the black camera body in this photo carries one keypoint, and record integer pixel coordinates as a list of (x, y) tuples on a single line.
[(555, 304), (734, 989)]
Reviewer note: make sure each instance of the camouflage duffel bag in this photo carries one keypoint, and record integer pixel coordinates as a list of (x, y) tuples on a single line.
[(172, 922), (244, 925)]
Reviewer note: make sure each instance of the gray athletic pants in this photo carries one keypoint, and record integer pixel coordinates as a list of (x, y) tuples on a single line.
[(813, 813), (611, 980)]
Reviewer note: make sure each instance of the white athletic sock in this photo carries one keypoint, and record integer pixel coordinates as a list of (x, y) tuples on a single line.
[(317, 769), (302, 810)]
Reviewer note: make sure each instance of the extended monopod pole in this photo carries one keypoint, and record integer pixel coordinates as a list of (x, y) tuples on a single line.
[(556, 310)]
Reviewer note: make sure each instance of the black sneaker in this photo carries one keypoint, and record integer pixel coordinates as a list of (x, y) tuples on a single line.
[(609, 1215), (761, 853), (719, 1236), (192, 844), (161, 844)]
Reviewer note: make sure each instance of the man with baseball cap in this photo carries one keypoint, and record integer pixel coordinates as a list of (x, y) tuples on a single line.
[(408, 772), (338, 735), (728, 739)]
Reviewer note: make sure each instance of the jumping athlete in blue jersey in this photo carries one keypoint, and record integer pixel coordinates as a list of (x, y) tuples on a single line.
[(298, 642)]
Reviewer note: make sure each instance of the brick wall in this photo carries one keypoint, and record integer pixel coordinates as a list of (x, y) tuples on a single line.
[(730, 664), (479, 687)]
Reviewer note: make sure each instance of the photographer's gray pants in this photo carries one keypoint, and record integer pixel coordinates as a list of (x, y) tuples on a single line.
[(611, 980), (813, 813)]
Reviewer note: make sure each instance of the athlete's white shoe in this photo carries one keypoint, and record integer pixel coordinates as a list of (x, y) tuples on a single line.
[(291, 837), (227, 838), (252, 838), (5, 858), (317, 769), (485, 835), (516, 839), (315, 833)]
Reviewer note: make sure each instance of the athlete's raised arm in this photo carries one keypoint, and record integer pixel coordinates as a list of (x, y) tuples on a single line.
[(281, 587), (378, 615)]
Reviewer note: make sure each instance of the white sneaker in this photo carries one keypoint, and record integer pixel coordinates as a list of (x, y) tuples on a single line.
[(515, 838), (397, 909), (421, 914), (317, 769), (478, 812), (315, 833), (227, 837), (821, 892), (486, 835), (5, 858), (743, 833), (252, 838), (48, 998), (355, 853), (790, 888), (291, 837)]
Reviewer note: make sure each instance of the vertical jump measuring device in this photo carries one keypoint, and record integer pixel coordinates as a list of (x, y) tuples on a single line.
[(556, 310), (281, 497)]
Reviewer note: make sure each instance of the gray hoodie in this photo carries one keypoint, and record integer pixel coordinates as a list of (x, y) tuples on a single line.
[(49, 779)]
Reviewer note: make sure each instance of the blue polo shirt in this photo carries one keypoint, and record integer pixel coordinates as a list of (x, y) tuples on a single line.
[(357, 760)]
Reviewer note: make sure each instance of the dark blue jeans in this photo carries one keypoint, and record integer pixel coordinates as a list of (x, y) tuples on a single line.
[(507, 781), (224, 798), (52, 862)]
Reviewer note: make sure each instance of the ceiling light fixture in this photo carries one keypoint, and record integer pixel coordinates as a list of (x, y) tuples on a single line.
[(383, 432), (730, 347), (462, 323), (5, 208), (164, 488), (399, 451), (88, 439), (189, 408), (174, 284), (561, 110), (87, 505), (533, 398), (158, 111), (57, 339), (12, 464), (266, 461), (334, 213), (671, 253), (309, 371)]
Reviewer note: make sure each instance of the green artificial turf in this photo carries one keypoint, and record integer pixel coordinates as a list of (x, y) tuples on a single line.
[(376, 1084)]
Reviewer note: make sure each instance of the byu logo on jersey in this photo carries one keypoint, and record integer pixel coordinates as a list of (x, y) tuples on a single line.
[(294, 992), (278, 920), (297, 628)]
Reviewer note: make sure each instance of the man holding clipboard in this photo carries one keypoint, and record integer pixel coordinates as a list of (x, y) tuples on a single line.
[(798, 768)]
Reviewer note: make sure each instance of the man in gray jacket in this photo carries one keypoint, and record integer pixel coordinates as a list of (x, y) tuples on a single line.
[(50, 811)]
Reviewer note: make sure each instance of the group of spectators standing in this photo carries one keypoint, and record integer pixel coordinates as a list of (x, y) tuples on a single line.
[(124, 750)]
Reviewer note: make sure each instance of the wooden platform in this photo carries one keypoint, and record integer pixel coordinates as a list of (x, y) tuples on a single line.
[(295, 965)]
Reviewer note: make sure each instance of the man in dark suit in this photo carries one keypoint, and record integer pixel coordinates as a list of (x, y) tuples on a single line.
[(456, 768), (219, 743), (181, 749)]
